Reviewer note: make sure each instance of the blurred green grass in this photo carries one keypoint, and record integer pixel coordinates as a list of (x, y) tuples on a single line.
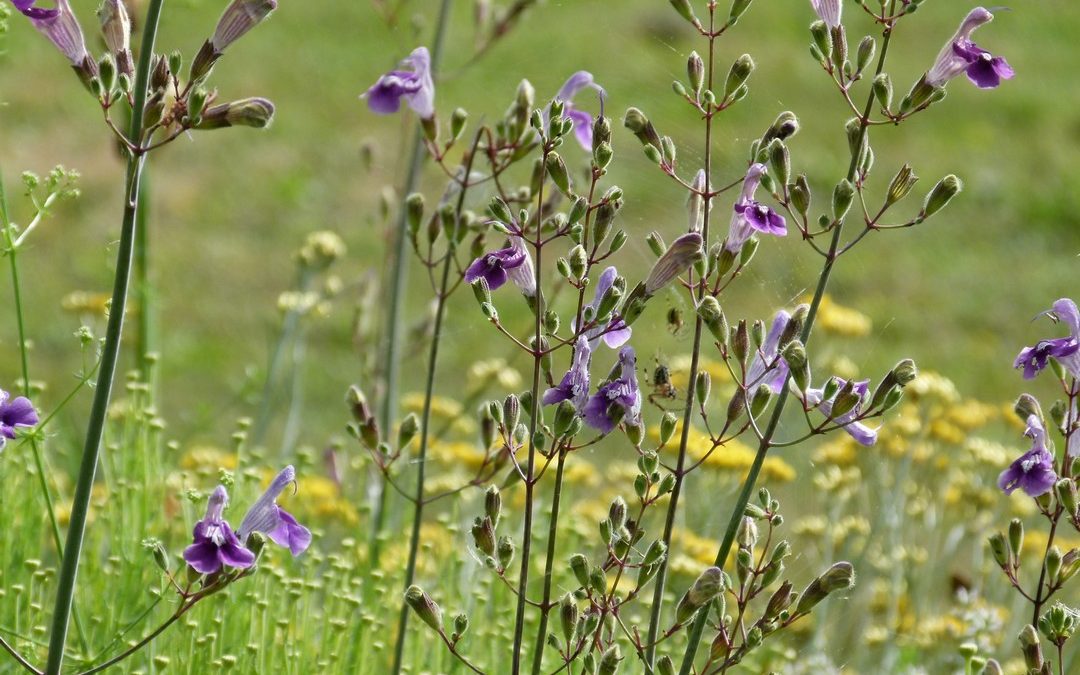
[(230, 208)]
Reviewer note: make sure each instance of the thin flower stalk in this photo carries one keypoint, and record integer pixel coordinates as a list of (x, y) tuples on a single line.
[(95, 427), (442, 296), (396, 299), (694, 637)]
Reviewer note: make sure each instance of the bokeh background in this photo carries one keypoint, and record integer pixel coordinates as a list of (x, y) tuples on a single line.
[(230, 209)]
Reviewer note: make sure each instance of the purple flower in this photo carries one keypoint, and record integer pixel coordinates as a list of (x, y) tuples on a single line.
[(275, 522), (524, 275), (575, 383), (61, 28), (616, 332), (863, 434), (583, 121), (618, 399), (13, 414), (493, 267), (1033, 472), (961, 55), (767, 368), (750, 215), (414, 85), (828, 11), (215, 543), (1066, 349)]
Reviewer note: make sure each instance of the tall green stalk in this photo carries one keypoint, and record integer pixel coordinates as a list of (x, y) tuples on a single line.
[(425, 420), (144, 293), (695, 355), (95, 427), (766, 440), (398, 279), (549, 563)]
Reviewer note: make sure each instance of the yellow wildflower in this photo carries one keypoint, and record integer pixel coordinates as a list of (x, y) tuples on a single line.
[(840, 320)]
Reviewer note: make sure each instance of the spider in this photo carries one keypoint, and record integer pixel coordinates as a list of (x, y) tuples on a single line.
[(660, 381)]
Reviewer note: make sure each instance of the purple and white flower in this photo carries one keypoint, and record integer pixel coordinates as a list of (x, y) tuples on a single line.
[(15, 413), (414, 86), (863, 434), (768, 367), (751, 215), (494, 267), (61, 27), (1033, 472), (275, 522), (216, 545), (828, 11), (616, 332), (574, 386), (961, 55), (618, 399), (1065, 349), (583, 121), (524, 275)]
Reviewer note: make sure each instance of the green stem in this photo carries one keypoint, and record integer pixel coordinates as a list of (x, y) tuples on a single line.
[(398, 278), (425, 420), (549, 565), (688, 412), (534, 419), (766, 440), (144, 337), (69, 566), (39, 461)]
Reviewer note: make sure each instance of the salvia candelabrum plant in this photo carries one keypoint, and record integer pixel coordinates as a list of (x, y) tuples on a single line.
[(147, 102), (561, 216), (530, 222)]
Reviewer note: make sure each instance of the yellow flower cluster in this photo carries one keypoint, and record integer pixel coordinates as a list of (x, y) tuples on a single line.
[(841, 321), (442, 408), (734, 456)]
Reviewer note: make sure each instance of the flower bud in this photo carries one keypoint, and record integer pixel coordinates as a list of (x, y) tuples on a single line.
[(838, 577), (760, 400), (483, 533), (240, 17), (947, 188), (556, 168), (713, 317), (505, 551), (783, 127), (493, 505), (740, 71), (843, 196), (865, 53), (822, 42), (664, 665), (695, 72), (579, 565), (500, 210), (901, 185), (1053, 565), (747, 535), (1029, 645), (249, 112), (511, 411), (999, 548), (609, 662), (1016, 537), (795, 356), (568, 616), (429, 612), (1026, 406), (407, 431), (116, 29), (640, 126), (685, 10), (1066, 494), (683, 253), (883, 90)]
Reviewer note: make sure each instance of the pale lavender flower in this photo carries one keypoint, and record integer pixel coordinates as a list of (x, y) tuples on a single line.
[(215, 542), (828, 11), (414, 85), (14, 414), (575, 383), (863, 434), (275, 522), (695, 203), (1065, 349), (767, 367), (616, 332), (61, 27), (683, 252), (750, 215), (583, 121), (619, 399), (1033, 472), (494, 267), (116, 29), (524, 275), (240, 17), (961, 55)]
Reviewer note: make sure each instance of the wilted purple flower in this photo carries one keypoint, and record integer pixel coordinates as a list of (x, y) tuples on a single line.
[(616, 332), (575, 383), (683, 252), (961, 55), (414, 85), (863, 434), (61, 27), (13, 414), (583, 121), (493, 267), (619, 399), (240, 17), (828, 11), (760, 371), (1033, 472), (215, 542), (1066, 349), (750, 215), (275, 522)]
